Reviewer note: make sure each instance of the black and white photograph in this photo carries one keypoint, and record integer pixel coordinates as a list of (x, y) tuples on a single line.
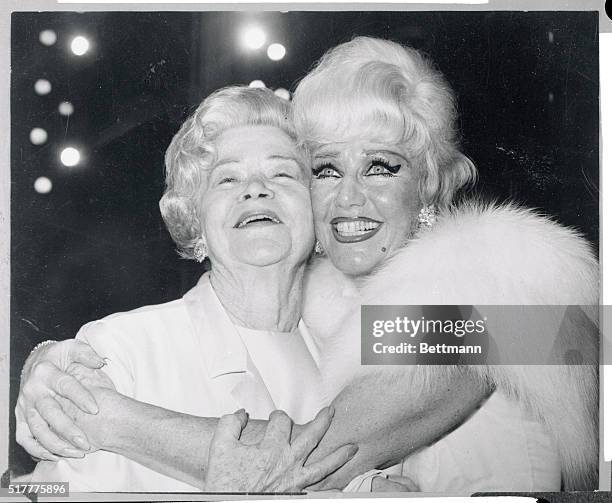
[(206, 206)]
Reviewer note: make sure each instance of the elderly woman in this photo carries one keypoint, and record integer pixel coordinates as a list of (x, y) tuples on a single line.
[(238, 193), (385, 157)]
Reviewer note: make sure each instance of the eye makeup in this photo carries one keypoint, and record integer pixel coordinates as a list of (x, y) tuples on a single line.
[(384, 163)]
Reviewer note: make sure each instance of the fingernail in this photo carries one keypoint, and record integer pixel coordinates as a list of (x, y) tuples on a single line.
[(92, 408), (99, 362), (240, 411), (73, 453), (332, 411), (353, 450), (80, 442)]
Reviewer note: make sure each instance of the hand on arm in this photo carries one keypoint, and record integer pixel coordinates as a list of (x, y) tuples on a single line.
[(388, 415), (68, 410), (274, 464), (221, 455), (42, 428)]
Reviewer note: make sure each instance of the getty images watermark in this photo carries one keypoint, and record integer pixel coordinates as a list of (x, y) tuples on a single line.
[(487, 335)]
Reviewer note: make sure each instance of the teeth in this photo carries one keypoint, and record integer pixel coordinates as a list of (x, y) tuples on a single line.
[(259, 216), (355, 228)]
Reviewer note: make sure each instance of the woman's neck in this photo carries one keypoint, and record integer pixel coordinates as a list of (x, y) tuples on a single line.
[(261, 298)]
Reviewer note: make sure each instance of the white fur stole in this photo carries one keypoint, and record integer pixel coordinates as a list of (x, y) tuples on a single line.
[(480, 255)]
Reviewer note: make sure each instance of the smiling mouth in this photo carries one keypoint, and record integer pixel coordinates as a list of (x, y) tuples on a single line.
[(257, 220), (353, 230)]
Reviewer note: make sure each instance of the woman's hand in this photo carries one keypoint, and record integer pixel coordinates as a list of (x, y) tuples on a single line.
[(276, 463), (96, 428), (42, 428)]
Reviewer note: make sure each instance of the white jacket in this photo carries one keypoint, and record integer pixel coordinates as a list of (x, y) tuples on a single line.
[(481, 254)]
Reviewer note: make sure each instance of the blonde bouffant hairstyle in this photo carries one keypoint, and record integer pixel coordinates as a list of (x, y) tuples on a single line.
[(191, 153), (371, 86)]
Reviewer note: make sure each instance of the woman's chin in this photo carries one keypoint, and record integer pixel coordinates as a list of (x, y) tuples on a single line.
[(356, 259), (262, 252), (355, 265)]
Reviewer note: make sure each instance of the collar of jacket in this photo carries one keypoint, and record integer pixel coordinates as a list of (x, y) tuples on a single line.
[(220, 343)]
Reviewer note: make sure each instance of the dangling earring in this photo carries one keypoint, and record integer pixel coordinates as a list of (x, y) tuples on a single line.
[(318, 249), (428, 216), (200, 250)]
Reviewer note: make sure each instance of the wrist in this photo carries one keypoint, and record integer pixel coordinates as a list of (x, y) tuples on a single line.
[(102, 428), (120, 425)]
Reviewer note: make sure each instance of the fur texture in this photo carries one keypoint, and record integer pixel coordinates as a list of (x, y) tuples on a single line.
[(481, 255)]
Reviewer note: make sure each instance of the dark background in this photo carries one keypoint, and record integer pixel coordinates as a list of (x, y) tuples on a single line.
[(527, 86)]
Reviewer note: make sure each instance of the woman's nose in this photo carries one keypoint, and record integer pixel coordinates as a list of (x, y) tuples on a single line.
[(255, 189), (350, 193)]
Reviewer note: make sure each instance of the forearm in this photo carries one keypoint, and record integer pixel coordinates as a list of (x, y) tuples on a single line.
[(168, 442), (388, 415), (391, 414)]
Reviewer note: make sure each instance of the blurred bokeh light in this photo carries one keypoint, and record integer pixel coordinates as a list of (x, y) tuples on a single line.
[(38, 136), (42, 87), (43, 185), (253, 37), (47, 37), (65, 108), (276, 52), (70, 157), (79, 45), (283, 93)]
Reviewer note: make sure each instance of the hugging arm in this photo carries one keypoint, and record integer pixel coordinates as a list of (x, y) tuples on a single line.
[(386, 426), (390, 414), (217, 455)]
